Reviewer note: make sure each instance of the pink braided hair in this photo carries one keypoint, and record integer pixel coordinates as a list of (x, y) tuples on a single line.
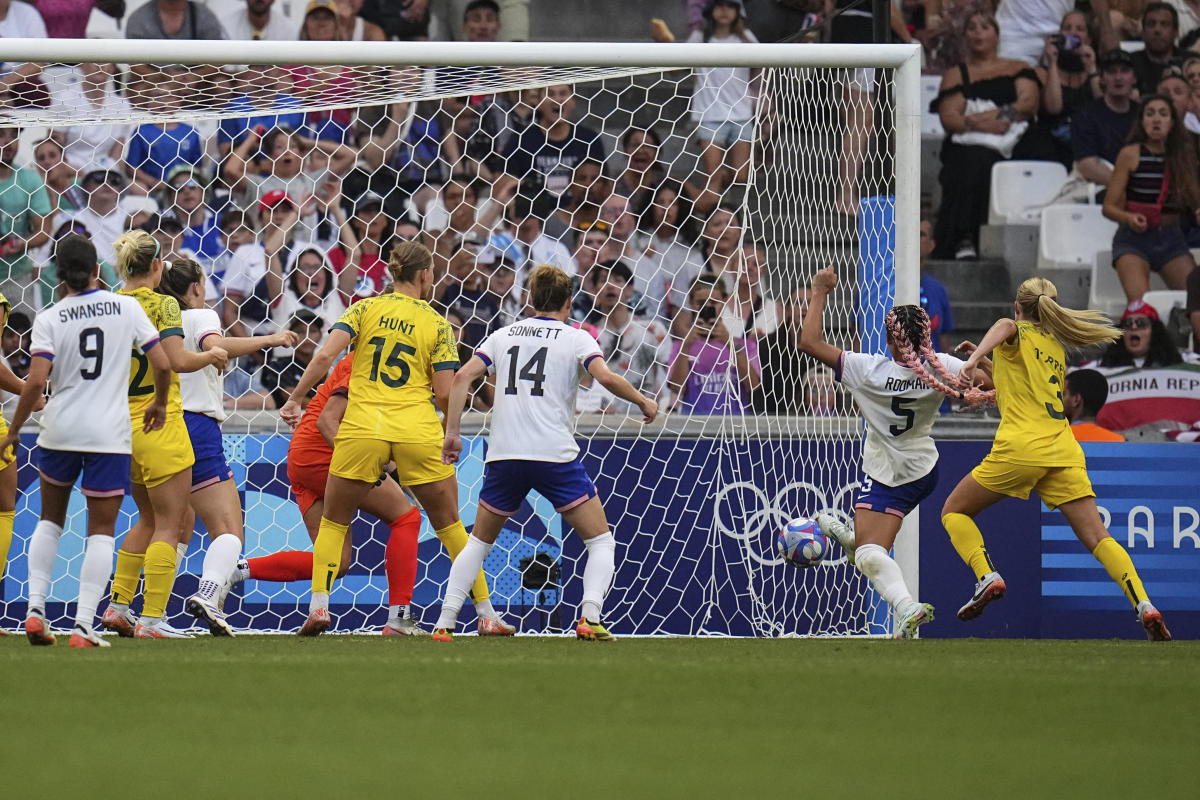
[(916, 321)]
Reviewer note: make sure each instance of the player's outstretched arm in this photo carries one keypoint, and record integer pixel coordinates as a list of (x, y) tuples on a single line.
[(238, 346), (31, 393), (1003, 330), (812, 339), (337, 340), (622, 388), (460, 390), (183, 360), (9, 381), (984, 376)]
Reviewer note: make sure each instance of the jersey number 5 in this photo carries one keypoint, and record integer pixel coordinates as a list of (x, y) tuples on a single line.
[(91, 345), (394, 360), (533, 370), (907, 415)]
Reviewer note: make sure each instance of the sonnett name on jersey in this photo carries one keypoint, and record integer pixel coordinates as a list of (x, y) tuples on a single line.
[(100, 308), (535, 331)]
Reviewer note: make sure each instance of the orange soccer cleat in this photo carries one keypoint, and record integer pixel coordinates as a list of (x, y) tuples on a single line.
[(38, 630), (317, 623)]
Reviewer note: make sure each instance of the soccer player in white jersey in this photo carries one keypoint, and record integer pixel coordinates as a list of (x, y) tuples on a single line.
[(214, 494), (82, 345), (538, 363), (899, 398)]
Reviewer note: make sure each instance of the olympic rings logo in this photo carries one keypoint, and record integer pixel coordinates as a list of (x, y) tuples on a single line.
[(746, 506)]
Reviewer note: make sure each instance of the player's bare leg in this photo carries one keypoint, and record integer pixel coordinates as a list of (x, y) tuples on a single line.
[(343, 496), (220, 509), (958, 516), (1085, 520), (590, 522), (440, 501)]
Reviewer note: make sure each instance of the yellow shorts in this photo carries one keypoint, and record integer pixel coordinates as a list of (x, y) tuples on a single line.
[(162, 454), (1055, 485), (4, 432), (417, 463)]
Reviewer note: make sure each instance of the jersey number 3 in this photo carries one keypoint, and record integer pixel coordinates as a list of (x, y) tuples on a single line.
[(533, 370)]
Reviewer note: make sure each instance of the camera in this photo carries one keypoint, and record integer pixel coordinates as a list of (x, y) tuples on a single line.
[(1068, 45)]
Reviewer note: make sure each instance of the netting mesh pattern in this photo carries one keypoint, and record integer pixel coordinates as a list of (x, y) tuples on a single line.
[(691, 210)]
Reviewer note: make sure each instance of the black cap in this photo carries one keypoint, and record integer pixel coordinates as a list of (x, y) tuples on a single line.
[(1115, 58)]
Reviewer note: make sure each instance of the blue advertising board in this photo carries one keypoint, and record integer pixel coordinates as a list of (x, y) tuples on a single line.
[(1148, 496), (696, 521)]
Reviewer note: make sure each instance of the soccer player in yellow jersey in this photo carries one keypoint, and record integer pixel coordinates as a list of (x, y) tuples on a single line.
[(162, 459), (1034, 447), (8, 472), (405, 354)]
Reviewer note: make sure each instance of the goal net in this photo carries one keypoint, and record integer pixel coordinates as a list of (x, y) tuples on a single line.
[(691, 190)]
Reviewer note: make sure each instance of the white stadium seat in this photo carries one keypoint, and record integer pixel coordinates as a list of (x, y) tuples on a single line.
[(1072, 235), (1164, 300), (1021, 189), (931, 123), (1106, 292)]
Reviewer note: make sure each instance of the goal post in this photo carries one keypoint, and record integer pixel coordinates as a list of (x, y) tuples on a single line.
[(695, 500)]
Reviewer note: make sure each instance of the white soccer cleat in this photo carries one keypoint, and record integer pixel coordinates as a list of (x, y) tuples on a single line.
[(494, 626), (832, 526), (917, 615), (158, 629), (990, 587), (123, 623), (406, 626), (203, 606), (86, 638)]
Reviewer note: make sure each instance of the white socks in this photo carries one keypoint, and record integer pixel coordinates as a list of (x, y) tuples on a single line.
[(43, 550), (93, 578), (874, 562), (598, 573), (180, 553), (462, 577), (220, 559)]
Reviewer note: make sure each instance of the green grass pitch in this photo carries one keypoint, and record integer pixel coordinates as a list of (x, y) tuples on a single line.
[(366, 717)]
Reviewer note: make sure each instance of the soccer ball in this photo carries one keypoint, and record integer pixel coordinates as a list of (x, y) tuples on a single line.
[(801, 543)]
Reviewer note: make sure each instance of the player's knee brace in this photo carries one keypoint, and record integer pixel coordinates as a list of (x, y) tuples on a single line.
[(866, 556)]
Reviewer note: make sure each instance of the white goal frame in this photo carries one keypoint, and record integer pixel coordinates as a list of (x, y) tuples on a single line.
[(904, 59)]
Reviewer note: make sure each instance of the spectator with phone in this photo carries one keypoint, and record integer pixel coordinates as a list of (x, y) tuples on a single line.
[(1069, 82), (712, 372)]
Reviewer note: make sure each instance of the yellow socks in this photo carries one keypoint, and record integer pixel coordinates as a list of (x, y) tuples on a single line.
[(1120, 568), (327, 555), (454, 538), (6, 529), (160, 577), (126, 576), (968, 541)]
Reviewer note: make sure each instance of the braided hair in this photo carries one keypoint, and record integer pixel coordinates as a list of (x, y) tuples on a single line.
[(909, 330)]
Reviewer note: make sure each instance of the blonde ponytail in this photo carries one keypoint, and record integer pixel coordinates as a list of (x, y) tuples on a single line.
[(136, 251), (1074, 329)]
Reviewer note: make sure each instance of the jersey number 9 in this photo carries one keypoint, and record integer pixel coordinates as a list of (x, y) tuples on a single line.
[(91, 346)]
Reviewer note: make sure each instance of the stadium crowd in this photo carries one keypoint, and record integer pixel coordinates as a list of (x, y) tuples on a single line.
[(293, 214)]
